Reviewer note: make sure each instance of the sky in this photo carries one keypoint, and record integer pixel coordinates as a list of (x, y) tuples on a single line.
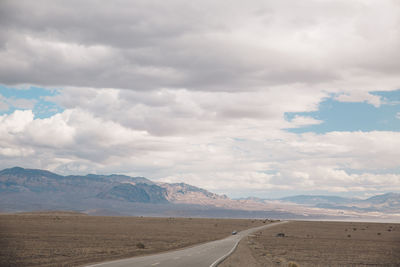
[(259, 98)]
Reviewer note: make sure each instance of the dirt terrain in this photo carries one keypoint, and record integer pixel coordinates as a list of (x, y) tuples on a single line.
[(320, 244), (72, 239)]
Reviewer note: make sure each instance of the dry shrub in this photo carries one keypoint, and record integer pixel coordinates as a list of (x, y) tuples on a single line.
[(140, 245)]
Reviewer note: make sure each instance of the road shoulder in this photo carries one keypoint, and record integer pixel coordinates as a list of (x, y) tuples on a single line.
[(241, 257)]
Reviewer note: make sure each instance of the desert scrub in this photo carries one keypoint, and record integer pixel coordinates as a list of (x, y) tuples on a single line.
[(140, 245)]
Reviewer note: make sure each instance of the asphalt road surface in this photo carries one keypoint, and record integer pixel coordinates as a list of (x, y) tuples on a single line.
[(204, 255)]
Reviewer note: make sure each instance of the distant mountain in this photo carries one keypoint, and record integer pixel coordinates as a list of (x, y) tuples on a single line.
[(30, 189), (136, 193), (389, 199), (388, 203), (27, 173), (121, 187), (24, 190), (121, 178), (188, 194), (314, 200)]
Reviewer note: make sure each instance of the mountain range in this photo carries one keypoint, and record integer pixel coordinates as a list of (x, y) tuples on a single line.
[(388, 203), (31, 189)]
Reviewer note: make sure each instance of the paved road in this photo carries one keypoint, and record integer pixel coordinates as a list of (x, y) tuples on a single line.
[(204, 255)]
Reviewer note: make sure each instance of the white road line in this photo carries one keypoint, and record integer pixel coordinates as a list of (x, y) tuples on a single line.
[(156, 263)]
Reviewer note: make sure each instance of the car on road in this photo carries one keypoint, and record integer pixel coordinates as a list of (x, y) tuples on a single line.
[(234, 232)]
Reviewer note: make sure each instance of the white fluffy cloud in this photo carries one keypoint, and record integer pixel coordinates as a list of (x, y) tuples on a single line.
[(198, 138)]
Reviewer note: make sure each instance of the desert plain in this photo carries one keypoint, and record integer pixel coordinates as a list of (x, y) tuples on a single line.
[(319, 243), (74, 239)]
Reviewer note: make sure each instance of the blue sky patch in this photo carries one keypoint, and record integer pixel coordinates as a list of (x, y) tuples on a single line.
[(33, 98), (353, 116), (390, 97)]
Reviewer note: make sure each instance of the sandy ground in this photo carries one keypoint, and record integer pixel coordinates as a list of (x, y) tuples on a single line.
[(68, 239), (321, 244)]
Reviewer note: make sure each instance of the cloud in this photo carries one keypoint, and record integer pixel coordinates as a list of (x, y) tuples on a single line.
[(140, 46), (360, 97), (3, 104), (175, 112), (301, 121), (71, 136), (398, 115), (22, 103), (176, 90), (252, 156)]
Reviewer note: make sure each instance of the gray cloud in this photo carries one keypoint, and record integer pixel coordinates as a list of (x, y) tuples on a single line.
[(212, 46)]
